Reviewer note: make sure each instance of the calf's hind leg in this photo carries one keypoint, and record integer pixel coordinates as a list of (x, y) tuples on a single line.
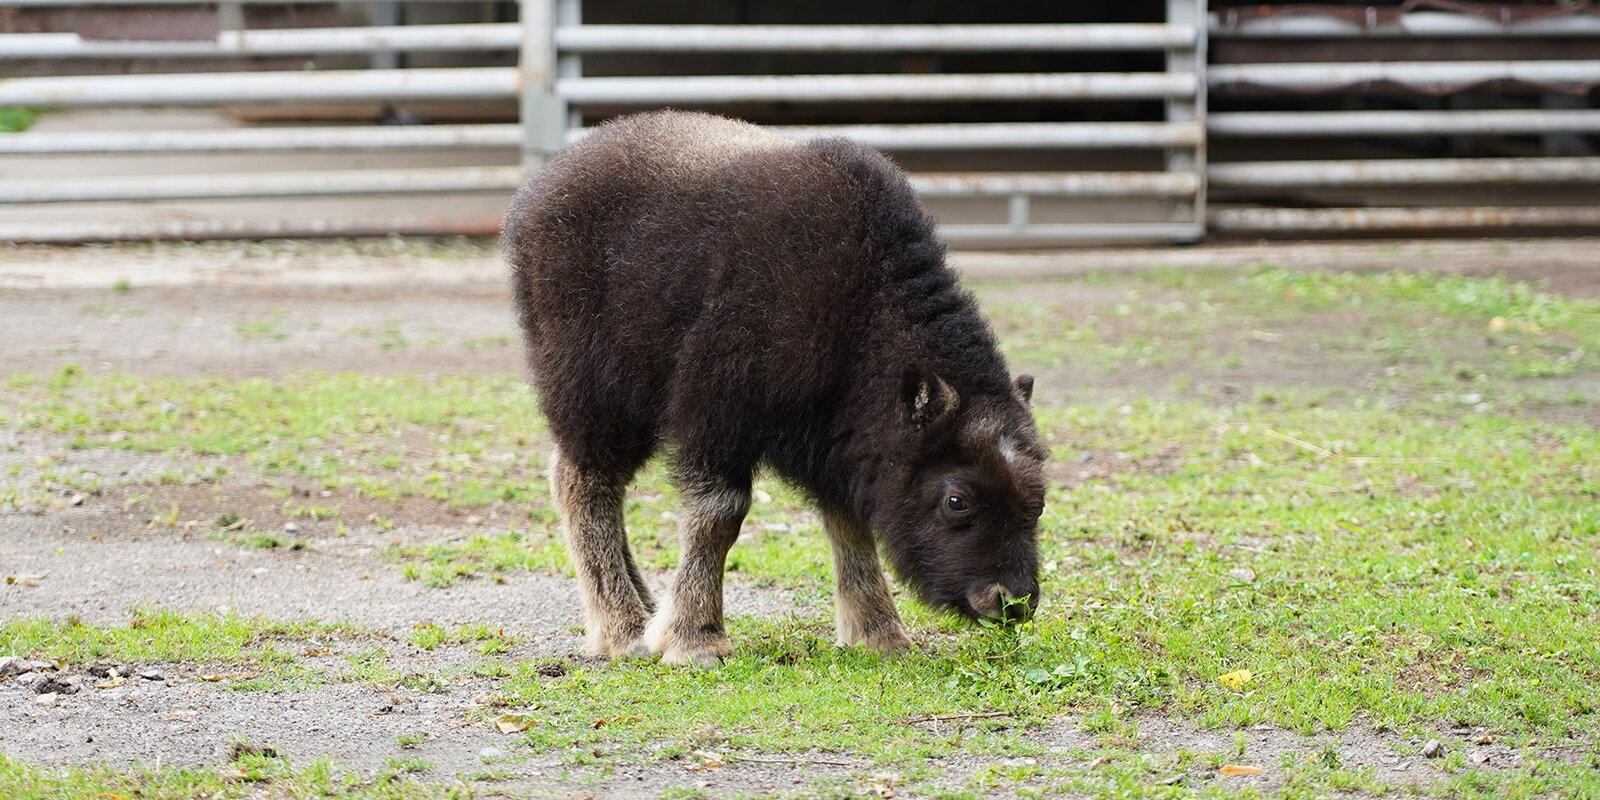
[(616, 603), (866, 612), (688, 628)]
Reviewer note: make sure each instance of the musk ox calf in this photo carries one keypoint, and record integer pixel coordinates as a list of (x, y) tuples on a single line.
[(695, 283)]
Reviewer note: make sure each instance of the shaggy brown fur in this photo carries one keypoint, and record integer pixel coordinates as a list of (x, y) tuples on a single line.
[(689, 280)]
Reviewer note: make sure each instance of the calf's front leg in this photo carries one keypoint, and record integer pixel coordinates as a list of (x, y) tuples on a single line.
[(687, 627), (866, 613)]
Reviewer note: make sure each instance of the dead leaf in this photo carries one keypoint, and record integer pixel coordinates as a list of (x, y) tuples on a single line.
[(702, 760), (1236, 770), (111, 683), (1099, 762), (514, 723), (26, 579), (1236, 679), (601, 723), (212, 678)]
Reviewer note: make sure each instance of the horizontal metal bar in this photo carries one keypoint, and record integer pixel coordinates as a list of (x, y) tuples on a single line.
[(202, 3), (1418, 24), (844, 38), (1334, 75), (1060, 184), (995, 135), (244, 87), (1403, 123), (1301, 220), (835, 88), (408, 137), (197, 229), (263, 184), (496, 179), (1406, 172), (270, 42), (1022, 135), (1040, 233)]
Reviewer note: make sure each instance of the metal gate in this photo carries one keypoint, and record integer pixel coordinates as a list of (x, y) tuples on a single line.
[(1275, 165), (554, 92), (1538, 88)]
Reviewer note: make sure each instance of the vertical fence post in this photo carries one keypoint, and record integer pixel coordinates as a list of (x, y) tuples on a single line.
[(543, 112), (1189, 60), (569, 13), (386, 13)]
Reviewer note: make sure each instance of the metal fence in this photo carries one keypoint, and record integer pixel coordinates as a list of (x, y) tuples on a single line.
[(556, 98), (1466, 33)]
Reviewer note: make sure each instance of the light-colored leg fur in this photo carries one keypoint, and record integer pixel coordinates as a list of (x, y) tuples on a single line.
[(866, 614), (687, 628), (616, 603)]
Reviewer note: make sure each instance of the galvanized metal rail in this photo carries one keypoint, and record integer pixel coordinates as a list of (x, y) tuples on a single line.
[(1292, 24), (553, 92)]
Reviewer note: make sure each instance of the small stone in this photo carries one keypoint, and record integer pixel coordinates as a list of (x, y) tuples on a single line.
[(152, 675), (1402, 766), (47, 700), (1432, 749), (491, 753), (50, 684), (1471, 399), (291, 527), (474, 519), (107, 670), (1478, 757), (13, 665), (1243, 575), (76, 500)]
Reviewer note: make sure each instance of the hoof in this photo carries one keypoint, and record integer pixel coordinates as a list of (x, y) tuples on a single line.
[(639, 649), (616, 641), (708, 652), (887, 641)]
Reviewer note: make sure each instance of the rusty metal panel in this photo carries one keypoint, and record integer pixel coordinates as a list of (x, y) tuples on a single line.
[(147, 23)]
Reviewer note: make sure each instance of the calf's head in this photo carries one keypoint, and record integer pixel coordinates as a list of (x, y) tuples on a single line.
[(961, 520)]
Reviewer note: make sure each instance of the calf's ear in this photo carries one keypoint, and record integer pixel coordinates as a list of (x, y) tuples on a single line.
[(928, 400), (1024, 386)]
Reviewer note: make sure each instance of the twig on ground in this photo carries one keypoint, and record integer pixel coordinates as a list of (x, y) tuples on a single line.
[(754, 760), (1318, 449), (1573, 746), (983, 715)]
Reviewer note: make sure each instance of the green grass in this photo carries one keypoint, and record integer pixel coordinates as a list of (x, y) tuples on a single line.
[(1423, 337), (1382, 557), (14, 119), (249, 776), (269, 329), (250, 654)]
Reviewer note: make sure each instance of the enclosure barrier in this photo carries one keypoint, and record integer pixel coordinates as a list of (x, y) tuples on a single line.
[(1464, 22), (553, 92), (555, 67)]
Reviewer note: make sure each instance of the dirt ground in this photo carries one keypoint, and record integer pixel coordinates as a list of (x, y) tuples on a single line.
[(244, 312)]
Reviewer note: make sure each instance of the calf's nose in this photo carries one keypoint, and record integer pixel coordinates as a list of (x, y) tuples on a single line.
[(998, 602)]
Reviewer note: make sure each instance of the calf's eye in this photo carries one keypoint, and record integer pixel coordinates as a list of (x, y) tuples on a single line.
[(956, 503)]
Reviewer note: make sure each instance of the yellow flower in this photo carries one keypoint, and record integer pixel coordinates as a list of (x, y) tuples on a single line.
[(1235, 679)]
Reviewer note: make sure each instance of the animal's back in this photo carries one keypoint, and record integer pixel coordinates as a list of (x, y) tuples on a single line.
[(689, 262)]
